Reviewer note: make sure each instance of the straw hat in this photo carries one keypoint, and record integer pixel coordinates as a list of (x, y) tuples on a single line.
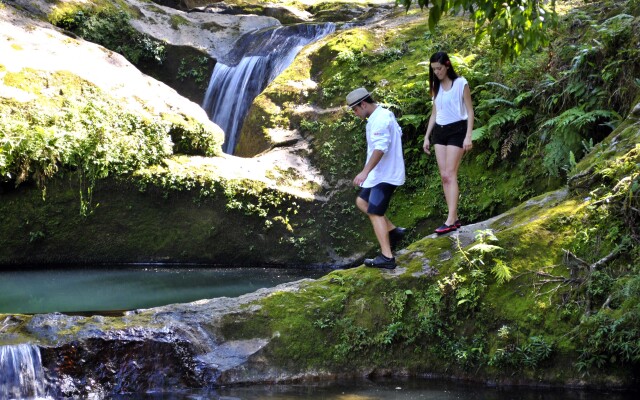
[(357, 96)]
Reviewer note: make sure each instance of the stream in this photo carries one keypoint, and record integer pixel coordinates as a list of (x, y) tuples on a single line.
[(386, 389)]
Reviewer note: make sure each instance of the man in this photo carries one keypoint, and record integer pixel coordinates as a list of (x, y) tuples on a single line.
[(382, 173)]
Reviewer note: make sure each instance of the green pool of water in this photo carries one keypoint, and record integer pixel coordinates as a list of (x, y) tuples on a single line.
[(109, 289)]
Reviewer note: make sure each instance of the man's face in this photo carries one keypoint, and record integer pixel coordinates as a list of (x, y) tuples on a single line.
[(359, 110)]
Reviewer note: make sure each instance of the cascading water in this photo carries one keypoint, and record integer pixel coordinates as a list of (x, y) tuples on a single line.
[(21, 373), (258, 58)]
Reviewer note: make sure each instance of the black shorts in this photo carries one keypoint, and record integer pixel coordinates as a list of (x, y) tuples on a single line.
[(378, 197), (450, 134)]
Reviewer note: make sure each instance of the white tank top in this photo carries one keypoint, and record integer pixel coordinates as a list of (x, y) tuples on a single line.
[(450, 103)]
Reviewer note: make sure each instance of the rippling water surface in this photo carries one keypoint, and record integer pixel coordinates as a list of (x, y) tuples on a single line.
[(406, 389)]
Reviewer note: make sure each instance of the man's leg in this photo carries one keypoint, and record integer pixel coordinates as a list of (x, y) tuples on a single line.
[(380, 227), (362, 204)]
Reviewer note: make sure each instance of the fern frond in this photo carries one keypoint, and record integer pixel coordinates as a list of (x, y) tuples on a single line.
[(479, 133), (522, 97), (507, 145), (593, 116), (564, 119), (501, 271), (496, 102), (485, 235), (500, 85), (512, 115), (484, 248), (578, 89), (577, 118)]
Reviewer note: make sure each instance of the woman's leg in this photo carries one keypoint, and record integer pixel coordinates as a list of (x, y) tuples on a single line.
[(449, 158)]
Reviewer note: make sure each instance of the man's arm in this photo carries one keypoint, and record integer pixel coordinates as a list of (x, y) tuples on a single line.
[(376, 156)]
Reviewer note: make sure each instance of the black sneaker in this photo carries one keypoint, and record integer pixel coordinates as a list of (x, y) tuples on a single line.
[(396, 235), (445, 229), (458, 224), (381, 262)]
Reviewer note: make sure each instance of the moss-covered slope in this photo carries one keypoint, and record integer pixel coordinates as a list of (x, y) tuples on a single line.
[(546, 293), (535, 116)]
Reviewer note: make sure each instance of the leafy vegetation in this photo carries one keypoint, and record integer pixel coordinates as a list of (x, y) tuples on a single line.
[(549, 294), (108, 25), (84, 134), (549, 105), (524, 308), (511, 26), (196, 69), (604, 256), (366, 319)]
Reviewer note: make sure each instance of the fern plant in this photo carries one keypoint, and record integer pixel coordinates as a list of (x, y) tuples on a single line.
[(503, 119), (566, 133), (484, 253)]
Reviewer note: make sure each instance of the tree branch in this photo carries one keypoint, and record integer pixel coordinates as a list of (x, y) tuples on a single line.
[(604, 260)]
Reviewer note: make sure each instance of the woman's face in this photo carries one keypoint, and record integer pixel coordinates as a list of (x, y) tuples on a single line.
[(439, 69)]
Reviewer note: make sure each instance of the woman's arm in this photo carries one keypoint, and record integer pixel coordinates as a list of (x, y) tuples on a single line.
[(466, 96), (432, 121)]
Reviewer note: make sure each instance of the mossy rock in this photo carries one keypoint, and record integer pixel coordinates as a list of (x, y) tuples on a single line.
[(337, 11), (131, 220), (187, 70)]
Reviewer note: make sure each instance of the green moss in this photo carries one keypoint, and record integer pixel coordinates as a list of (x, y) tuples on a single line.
[(625, 140), (108, 24), (177, 21), (14, 329), (82, 102), (65, 12), (212, 26), (161, 215), (560, 316), (29, 80), (322, 301), (155, 9), (336, 11), (192, 137), (254, 137)]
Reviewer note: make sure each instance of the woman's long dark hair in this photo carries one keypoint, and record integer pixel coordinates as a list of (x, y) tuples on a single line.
[(434, 83)]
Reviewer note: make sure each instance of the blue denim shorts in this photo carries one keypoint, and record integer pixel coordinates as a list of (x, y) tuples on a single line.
[(378, 197)]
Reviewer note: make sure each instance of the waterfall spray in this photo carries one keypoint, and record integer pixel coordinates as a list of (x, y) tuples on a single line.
[(21, 373)]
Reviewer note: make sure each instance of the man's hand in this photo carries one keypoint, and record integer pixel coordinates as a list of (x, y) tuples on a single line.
[(360, 178)]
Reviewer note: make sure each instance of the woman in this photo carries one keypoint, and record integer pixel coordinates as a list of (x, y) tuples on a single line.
[(449, 129)]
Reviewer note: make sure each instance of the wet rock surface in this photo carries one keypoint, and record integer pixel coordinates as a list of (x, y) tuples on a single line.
[(95, 366), (175, 347)]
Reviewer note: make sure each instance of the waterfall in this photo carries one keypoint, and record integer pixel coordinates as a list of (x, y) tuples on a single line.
[(257, 59), (21, 373)]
